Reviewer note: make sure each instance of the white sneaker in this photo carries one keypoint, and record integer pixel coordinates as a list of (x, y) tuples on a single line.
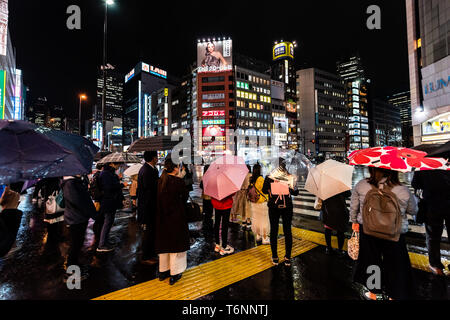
[(227, 250), (266, 241), (217, 248)]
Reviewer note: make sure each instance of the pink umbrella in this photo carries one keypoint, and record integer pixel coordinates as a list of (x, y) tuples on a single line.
[(224, 177)]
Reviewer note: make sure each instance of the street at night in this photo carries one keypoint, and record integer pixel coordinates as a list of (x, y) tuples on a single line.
[(222, 160)]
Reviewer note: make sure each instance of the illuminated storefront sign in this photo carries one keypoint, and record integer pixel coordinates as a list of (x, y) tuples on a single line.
[(213, 96), (2, 93), (206, 105), (129, 76), (156, 71), (215, 56), (436, 86), (3, 26), (283, 49), (213, 122), (117, 131), (437, 125), (214, 113)]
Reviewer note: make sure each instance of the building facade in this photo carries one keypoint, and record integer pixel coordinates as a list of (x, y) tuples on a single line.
[(357, 102), (8, 74), (323, 113), (385, 124), (402, 101), (428, 25)]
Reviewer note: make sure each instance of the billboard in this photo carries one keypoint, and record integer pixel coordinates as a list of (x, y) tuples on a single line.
[(3, 26), (277, 90), (283, 50), (215, 56), (153, 70), (213, 131), (281, 124)]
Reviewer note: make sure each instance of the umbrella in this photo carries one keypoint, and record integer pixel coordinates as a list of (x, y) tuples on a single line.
[(133, 170), (120, 157), (396, 158), (101, 154), (329, 179), (27, 154), (84, 149), (443, 151), (224, 177)]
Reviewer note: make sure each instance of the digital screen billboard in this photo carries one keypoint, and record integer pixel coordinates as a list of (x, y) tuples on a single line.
[(277, 90), (282, 50), (290, 107), (2, 93), (215, 56), (213, 131), (281, 124)]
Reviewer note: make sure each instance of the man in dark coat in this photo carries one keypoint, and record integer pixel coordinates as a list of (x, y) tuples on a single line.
[(147, 196), (79, 208), (10, 219), (111, 200), (436, 200)]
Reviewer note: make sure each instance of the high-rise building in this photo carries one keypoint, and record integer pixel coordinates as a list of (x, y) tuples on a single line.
[(114, 95), (428, 25), (41, 113), (182, 107), (402, 101), (283, 70), (385, 124), (323, 113), (357, 90), (140, 84)]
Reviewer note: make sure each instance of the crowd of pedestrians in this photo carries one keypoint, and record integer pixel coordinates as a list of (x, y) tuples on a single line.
[(379, 209)]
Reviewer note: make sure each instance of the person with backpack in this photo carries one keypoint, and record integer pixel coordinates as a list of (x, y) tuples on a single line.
[(280, 205), (435, 186), (378, 210), (258, 206)]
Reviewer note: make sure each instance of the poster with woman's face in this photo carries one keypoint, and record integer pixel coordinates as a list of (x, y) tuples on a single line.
[(214, 56)]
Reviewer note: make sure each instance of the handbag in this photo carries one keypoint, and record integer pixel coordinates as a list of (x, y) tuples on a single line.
[(51, 205), (353, 246), (193, 212), (318, 204)]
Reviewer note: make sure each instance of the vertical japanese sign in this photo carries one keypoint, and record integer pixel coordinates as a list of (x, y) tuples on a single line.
[(3, 26), (2, 93)]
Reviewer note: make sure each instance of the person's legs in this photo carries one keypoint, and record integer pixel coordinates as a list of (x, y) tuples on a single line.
[(178, 263), (341, 240), (274, 217), (225, 221), (328, 237), (97, 228), (107, 225), (164, 262), (77, 233), (433, 238), (287, 230), (217, 219)]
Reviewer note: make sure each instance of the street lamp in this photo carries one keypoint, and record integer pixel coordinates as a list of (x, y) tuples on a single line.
[(105, 29), (82, 97)]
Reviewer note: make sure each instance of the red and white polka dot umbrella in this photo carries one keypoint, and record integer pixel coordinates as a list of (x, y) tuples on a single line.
[(397, 159)]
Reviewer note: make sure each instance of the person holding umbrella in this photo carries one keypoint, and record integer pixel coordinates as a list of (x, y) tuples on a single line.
[(331, 182), (280, 185), (171, 229), (10, 218)]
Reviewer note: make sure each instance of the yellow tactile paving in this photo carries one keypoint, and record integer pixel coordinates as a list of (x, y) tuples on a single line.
[(418, 261), (203, 279)]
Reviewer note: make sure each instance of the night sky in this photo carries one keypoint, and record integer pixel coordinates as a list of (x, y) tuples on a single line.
[(59, 63)]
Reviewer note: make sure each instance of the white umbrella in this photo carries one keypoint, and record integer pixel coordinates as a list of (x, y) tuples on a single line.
[(329, 179), (133, 170)]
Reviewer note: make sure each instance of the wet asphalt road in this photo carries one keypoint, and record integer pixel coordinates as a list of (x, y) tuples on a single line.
[(34, 267)]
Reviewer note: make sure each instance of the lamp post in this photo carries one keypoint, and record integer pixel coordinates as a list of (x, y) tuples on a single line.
[(105, 30), (82, 97)]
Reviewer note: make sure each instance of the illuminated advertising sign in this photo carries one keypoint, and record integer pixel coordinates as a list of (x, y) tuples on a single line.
[(290, 107), (438, 125), (18, 96), (129, 76), (213, 131), (281, 124), (214, 113), (153, 70), (215, 56), (277, 90), (213, 122), (117, 131), (3, 26), (2, 93), (206, 105), (213, 96), (283, 49)]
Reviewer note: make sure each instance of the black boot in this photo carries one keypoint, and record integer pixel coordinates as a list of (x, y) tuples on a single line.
[(164, 275), (174, 279)]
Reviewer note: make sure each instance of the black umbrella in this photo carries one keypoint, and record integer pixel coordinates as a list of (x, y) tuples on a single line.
[(27, 154), (441, 152)]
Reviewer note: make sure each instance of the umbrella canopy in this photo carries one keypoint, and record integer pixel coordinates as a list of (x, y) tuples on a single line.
[(133, 170), (329, 179), (120, 157), (224, 177), (27, 154), (100, 155), (84, 149), (397, 159), (443, 151)]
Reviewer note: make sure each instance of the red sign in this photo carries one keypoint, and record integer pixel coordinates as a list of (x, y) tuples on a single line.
[(214, 113), (166, 122), (213, 131)]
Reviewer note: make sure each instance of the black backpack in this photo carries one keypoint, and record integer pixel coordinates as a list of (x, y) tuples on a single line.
[(94, 187)]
